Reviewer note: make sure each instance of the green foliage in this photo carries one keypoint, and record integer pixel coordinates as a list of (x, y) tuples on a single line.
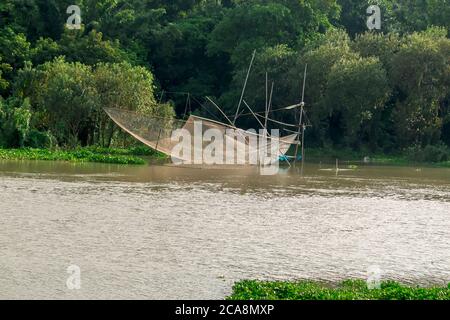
[(179, 56), (347, 290), (39, 139), (65, 93), (15, 118), (132, 151), (420, 70), (411, 16), (14, 52), (76, 46), (382, 46), (358, 90), (379, 91), (277, 61), (400, 16), (14, 47), (431, 153), (76, 155), (68, 98), (125, 87), (4, 67), (257, 24)]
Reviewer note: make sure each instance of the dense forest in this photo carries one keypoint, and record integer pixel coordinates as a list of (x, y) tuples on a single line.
[(382, 90)]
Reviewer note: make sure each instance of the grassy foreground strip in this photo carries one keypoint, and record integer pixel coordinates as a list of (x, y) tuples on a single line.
[(346, 290), (89, 154)]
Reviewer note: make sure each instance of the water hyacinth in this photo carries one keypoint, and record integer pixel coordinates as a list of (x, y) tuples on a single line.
[(346, 290), (92, 154)]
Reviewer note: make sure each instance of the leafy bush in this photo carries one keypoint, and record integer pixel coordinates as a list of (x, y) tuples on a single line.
[(68, 98), (431, 153), (38, 139), (15, 118)]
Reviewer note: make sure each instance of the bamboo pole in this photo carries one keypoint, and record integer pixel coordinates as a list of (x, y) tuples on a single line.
[(269, 106), (301, 129), (303, 148), (220, 110), (245, 87)]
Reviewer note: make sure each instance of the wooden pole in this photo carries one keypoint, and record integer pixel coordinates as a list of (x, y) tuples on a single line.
[(254, 115), (187, 105), (303, 147), (245, 86), (301, 129), (220, 110), (300, 125), (267, 91), (269, 106), (161, 97)]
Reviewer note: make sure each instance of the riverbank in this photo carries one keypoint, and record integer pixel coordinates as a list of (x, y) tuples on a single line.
[(346, 290), (140, 155), (131, 156), (349, 156)]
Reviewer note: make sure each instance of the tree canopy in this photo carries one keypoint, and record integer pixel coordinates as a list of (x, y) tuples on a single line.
[(381, 90)]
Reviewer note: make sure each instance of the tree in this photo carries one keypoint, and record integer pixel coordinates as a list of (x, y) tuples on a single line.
[(15, 118), (354, 15), (125, 87), (257, 24), (420, 71), (358, 90), (418, 15), (277, 62), (4, 67), (14, 50), (35, 18), (320, 56), (382, 46), (65, 97), (68, 98)]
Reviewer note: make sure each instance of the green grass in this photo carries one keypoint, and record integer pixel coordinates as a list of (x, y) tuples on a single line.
[(89, 154), (346, 290)]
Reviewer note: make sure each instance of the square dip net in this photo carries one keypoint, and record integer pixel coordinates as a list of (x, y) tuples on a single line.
[(238, 146)]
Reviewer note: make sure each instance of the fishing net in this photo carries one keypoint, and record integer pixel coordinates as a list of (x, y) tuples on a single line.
[(199, 136)]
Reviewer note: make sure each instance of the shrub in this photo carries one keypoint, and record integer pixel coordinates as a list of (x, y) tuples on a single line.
[(431, 153), (38, 139)]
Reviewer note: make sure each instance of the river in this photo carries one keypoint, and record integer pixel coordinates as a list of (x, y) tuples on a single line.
[(162, 232)]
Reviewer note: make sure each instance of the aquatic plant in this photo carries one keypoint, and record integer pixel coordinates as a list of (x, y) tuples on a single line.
[(113, 156), (346, 290)]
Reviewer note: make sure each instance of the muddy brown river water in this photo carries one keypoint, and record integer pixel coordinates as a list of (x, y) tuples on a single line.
[(161, 232)]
